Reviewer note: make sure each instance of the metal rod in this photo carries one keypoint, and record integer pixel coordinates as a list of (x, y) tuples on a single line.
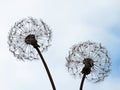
[(82, 81), (46, 68)]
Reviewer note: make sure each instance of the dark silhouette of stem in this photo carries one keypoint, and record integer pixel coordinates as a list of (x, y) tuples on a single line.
[(46, 67), (82, 81)]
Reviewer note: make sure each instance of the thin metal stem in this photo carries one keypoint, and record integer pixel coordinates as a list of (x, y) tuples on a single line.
[(82, 81), (46, 68)]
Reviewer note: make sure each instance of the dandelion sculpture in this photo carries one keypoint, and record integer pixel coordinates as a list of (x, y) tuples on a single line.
[(25, 39), (89, 60)]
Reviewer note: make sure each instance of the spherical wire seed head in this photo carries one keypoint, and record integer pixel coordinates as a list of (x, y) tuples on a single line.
[(27, 34), (90, 58)]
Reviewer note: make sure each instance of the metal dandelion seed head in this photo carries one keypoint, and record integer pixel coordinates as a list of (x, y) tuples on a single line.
[(89, 58), (27, 34)]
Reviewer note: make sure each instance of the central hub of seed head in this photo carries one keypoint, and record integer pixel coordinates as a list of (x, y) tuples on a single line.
[(30, 39), (88, 62)]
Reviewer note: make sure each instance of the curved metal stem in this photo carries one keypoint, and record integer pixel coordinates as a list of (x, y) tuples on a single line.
[(46, 68), (82, 81)]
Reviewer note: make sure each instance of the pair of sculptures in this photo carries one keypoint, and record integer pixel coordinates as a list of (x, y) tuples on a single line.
[(29, 37)]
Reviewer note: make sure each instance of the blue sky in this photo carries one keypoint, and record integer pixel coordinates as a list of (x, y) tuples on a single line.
[(71, 21)]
